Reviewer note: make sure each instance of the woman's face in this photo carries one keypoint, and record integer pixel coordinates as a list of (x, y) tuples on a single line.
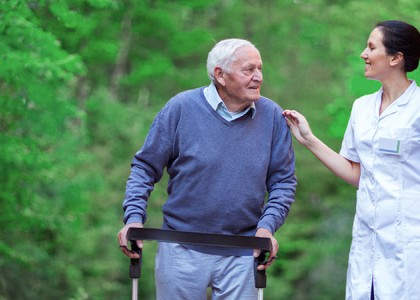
[(376, 59)]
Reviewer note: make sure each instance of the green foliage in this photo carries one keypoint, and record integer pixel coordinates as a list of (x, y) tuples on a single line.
[(80, 83), (44, 195)]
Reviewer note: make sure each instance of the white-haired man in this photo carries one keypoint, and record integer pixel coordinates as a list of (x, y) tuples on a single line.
[(225, 147)]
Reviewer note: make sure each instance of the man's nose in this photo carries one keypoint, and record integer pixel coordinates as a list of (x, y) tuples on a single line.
[(258, 75)]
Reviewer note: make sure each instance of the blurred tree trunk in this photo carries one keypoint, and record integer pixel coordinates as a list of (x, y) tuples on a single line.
[(122, 61)]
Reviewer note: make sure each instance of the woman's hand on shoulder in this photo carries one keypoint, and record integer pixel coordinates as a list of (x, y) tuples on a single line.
[(298, 125)]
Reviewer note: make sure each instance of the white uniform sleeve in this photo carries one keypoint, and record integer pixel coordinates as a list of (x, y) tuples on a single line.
[(348, 146)]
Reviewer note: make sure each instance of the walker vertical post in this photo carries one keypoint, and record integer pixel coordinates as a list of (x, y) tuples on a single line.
[(134, 290)]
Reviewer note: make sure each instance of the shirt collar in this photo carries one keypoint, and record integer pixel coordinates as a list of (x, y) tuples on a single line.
[(214, 99), (406, 96)]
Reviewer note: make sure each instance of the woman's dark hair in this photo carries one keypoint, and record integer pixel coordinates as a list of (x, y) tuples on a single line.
[(401, 37)]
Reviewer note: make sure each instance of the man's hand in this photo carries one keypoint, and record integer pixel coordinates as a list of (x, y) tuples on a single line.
[(262, 232), (122, 240)]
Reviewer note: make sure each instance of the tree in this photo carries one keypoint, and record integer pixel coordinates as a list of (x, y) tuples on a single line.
[(43, 195), (80, 83)]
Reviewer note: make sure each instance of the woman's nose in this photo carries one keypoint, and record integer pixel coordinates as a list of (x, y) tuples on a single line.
[(363, 54)]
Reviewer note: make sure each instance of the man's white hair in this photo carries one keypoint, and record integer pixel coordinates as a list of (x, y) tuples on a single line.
[(222, 55)]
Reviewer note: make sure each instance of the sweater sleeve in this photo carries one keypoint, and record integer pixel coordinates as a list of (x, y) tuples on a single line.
[(281, 179), (147, 167)]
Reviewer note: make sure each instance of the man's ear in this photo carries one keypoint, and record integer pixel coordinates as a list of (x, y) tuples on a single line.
[(397, 58), (219, 76)]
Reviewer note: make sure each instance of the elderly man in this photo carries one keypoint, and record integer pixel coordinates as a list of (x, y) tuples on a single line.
[(226, 148)]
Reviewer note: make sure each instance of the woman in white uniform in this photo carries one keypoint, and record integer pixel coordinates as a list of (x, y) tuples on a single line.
[(380, 155)]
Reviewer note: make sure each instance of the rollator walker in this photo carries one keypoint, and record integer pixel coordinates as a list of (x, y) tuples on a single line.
[(195, 238)]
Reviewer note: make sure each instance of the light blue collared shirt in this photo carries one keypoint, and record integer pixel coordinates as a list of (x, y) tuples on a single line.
[(213, 98)]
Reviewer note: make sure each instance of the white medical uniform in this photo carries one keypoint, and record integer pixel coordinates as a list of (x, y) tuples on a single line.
[(386, 231)]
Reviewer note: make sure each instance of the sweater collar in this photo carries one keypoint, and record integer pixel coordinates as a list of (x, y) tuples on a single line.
[(213, 98)]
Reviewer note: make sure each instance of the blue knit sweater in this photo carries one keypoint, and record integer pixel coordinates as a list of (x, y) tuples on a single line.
[(224, 177)]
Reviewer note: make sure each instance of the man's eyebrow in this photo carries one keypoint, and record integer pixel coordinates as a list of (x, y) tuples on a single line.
[(251, 64)]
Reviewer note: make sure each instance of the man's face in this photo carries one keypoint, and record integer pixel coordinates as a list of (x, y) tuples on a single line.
[(242, 82)]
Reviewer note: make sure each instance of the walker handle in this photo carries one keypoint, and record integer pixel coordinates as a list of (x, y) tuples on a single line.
[(135, 265)]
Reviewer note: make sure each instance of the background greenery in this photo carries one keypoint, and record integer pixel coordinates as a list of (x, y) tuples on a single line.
[(80, 83)]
